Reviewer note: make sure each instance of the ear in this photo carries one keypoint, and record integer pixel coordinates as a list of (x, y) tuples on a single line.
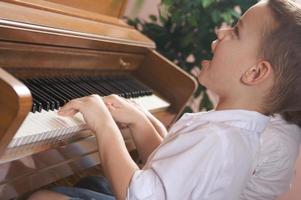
[(257, 73)]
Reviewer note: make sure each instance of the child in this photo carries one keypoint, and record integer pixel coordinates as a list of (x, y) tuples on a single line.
[(210, 155)]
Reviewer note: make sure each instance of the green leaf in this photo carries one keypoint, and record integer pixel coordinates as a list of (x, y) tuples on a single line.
[(207, 3), (167, 2), (199, 91), (227, 17), (215, 16), (206, 103), (192, 21)]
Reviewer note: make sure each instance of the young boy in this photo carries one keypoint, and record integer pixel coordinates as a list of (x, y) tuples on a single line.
[(205, 155)]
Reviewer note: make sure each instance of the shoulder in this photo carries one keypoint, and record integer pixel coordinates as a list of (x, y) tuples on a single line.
[(281, 135), (280, 143), (200, 123), (207, 138)]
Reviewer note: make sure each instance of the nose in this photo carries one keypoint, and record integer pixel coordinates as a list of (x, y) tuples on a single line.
[(222, 34)]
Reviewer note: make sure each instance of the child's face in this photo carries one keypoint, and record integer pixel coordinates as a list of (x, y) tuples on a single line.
[(235, 50)]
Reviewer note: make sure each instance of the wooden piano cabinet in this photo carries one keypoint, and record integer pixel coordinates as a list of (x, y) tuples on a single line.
[(15, 103), (58, 29), (167, 79), (114, 8), (96, 10)]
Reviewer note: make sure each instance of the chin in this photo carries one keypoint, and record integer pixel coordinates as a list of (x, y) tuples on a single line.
[(207, 83), (202, 81), (203, 77)]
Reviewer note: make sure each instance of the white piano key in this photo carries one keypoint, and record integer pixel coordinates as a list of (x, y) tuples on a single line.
[(152, 103), (46, 125)]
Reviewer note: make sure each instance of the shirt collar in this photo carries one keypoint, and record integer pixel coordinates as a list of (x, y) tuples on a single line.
[(251, 120)]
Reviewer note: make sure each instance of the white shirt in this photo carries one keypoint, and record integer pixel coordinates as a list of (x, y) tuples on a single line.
[(205, 156), (275, 168)]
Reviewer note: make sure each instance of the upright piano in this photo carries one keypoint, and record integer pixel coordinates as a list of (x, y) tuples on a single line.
[(52, 51)]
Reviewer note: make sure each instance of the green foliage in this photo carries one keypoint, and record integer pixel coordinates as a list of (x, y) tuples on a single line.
[(188, 29)]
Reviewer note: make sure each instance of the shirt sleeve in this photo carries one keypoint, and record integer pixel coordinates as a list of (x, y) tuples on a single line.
[(179, 165), (145, 184)]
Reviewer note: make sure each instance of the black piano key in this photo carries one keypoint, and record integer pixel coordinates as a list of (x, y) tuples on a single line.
[(37, 96), (51, 91), (77, 92), (93, 83), (140, 91), (90, 88), (54, 100), (114, 82), (42, 94), (76, 86), (103, 86), (45, 103), (59, 86), (107, 84), (144, 90), (34, 107), (38, 105), (133, 90), (63, 88), (122, 80)]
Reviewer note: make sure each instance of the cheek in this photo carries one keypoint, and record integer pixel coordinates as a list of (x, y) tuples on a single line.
[(221, 73), (226, 57)]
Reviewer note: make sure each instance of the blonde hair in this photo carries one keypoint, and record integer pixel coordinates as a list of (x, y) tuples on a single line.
[(282, 48)]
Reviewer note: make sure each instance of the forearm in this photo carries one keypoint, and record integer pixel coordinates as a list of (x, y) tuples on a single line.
[(145, 137), (116, 161), (160, 128)]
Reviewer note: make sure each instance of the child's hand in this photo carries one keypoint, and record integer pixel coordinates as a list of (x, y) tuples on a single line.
[(93, 109), (122, 110)]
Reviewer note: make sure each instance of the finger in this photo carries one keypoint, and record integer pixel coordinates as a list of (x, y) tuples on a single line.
[(71, 107), (112, 100), (109, 106), (134, 103), (107, 103), (87, 98), (107, 99), (68, 113), (94, 96)]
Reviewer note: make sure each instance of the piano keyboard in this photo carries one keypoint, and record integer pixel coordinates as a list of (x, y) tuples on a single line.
[(49, 94)]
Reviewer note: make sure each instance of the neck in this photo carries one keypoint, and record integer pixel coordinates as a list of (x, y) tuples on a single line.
[(237, 103)]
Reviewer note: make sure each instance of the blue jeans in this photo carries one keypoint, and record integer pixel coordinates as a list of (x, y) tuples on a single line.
[(89, 188)]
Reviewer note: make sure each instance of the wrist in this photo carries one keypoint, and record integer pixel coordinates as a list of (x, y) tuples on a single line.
[(106, 122), (142, 121)]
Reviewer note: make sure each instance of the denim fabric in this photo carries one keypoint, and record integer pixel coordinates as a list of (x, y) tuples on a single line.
[(89, 188), (82, 194), (96, 184)]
